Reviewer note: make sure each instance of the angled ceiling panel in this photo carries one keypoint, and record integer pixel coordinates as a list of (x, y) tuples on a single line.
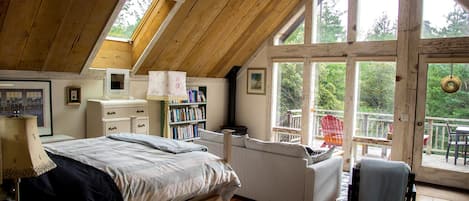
[(206, 38), (50, 35)]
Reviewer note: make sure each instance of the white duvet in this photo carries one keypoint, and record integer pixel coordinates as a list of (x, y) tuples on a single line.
[(143, 173)]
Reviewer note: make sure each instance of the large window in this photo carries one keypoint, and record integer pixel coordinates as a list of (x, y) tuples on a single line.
[(377, 20), (375, 98), (330, 21), (128, 19), (444, 19), (289, 94)]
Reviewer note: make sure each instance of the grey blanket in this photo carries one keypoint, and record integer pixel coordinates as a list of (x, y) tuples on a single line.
[(160, 143), (383, 180)]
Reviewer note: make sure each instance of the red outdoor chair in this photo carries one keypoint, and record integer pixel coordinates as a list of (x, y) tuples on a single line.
[(333, 131)]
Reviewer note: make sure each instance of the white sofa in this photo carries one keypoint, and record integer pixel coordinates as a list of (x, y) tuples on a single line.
[(277, 171)]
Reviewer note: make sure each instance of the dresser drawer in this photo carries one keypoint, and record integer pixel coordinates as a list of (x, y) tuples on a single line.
[(110, 113), (121, 125), (138, 111), (140, 125)]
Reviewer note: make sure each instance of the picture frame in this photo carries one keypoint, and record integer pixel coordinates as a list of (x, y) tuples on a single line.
[(28, 97), (73, 95), (256, 81)]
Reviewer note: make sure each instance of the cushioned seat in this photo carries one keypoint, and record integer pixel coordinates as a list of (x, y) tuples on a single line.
[(273, 171)]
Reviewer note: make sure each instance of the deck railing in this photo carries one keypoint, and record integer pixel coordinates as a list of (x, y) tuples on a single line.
[(369, 125)]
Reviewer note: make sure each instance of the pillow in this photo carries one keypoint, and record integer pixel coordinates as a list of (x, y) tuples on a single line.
[(318, 155), (282, 148), (236, 140)]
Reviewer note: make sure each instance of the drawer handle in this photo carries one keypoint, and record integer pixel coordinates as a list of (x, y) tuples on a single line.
[(112, 128), (111, 113), (141, 125), (140, 111)]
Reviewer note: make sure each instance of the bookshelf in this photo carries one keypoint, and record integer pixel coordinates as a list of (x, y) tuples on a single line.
[(184, 118)]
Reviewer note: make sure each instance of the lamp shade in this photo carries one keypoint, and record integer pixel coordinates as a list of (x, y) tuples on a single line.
[(166, 85), (22, 151)]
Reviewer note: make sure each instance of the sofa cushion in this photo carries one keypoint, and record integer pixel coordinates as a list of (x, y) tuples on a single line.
[(318, 155), (236, 140), (288, 149)]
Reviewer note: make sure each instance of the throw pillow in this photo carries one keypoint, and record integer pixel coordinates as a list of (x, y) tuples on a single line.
[(318, 155)]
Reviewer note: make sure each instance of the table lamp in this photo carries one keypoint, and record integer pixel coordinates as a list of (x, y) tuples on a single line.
[(166, 86), (22, 151)]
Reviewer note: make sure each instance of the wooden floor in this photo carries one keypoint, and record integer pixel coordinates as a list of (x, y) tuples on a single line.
[(425, 192), (428, 192)]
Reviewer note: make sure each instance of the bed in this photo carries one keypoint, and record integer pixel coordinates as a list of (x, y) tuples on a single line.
[(139, 169)]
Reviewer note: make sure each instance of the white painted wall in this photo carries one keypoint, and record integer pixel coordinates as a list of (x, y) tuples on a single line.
[(71, 120), (252, 110)]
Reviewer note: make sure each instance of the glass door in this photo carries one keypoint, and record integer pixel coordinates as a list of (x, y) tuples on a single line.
[(442, 118)]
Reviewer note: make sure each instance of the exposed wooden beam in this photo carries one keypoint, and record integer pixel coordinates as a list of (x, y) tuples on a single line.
[(444, 45), (372, 48), (160, 39), (97, 45)]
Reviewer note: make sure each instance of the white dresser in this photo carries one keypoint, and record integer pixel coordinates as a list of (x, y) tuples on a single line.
[(104, 117)]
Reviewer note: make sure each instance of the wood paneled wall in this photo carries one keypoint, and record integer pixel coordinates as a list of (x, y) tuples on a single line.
[(50, 35), (207, 37)]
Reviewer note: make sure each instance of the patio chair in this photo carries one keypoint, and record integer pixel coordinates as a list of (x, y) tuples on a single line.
[(333, 131), (452, 141)]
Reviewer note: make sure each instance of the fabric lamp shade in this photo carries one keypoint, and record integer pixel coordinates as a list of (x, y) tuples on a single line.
[(22, 151), (166, 85)]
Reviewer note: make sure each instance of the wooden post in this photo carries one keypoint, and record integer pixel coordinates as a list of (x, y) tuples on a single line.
[(430, 134), (227, 144)]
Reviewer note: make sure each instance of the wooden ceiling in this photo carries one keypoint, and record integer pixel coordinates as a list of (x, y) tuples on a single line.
[(205, 38), (50, 35)]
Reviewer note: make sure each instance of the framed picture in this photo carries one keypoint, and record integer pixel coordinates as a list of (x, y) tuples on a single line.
[(28, 97), (73, 95), (256, 81)]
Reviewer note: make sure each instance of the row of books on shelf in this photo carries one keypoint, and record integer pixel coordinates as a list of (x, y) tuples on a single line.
[(186, 131), (187, 114), (194, 95)]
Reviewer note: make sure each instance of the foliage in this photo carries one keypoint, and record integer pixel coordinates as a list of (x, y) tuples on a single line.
[(376, 85), (330, 27), (383, 29), (331, 89), (128, 19), (297, 36)]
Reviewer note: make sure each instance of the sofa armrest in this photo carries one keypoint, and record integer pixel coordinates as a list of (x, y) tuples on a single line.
[(323, 180)]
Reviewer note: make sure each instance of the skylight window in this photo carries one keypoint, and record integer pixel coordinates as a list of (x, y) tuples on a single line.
[(128, 19)]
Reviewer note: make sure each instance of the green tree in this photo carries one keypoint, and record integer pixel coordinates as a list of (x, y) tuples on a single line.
[(297, 36), (383, 29), (331, 87), (128, 19), (290, 89), (457, 23), (330, 27), (377, 87), (428, 31)]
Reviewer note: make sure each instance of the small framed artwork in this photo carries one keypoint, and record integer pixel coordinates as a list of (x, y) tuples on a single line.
[(73, 95), (256, 81)]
